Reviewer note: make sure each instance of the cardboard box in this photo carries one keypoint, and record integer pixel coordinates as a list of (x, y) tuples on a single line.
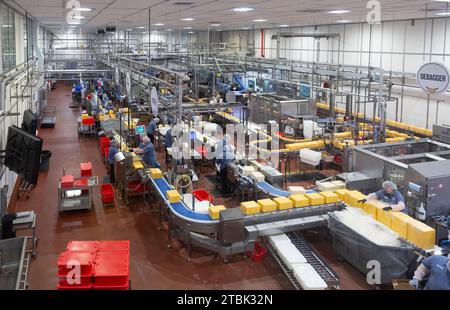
[(299, 201), (250, 208), (283, 203), (267, 205), (342, 193), (214, 211), (353, 198), (421, 235), (315, 199), (330, 197), (173, 196), (156, 173)]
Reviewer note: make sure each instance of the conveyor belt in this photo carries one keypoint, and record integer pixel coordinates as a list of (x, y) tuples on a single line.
[(273, 191), (180, 208), (289, 273), (330, 277)]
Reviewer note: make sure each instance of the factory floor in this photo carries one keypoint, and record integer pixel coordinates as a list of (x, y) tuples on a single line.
[(153, 264)]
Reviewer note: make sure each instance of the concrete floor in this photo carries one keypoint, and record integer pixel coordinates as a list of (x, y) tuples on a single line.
[(153, 264)]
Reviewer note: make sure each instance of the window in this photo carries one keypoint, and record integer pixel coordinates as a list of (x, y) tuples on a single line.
[(8, 38)]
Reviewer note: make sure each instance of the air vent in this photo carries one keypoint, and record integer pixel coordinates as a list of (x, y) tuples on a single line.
[(183, 3)]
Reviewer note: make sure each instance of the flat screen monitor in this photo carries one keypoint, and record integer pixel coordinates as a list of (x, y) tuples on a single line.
[(29, 122), (140, 130), (23, 154)]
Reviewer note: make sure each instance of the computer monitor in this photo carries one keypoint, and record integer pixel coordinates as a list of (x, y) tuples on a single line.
[(140, 130)]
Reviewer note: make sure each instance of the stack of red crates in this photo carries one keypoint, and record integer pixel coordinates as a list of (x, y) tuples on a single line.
[(86, 169), (104, 265), (104, 146), (67, 181)]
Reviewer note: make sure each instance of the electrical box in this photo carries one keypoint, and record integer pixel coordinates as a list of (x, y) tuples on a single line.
[(231, 226)]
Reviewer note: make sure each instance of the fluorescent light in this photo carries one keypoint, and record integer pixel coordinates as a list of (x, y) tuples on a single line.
[(191, 32), (443, 13), (188, 19), (78, 17), (260, 20), (339, 11), (240, 10), (158, 24), (215, 25), (129, 29), (140, 27), (245, 28), (169, 30), (344, 21), (83, 9), (284, 26), (187, 27)]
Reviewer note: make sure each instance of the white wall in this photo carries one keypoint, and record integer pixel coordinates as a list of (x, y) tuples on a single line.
[(398, 46)]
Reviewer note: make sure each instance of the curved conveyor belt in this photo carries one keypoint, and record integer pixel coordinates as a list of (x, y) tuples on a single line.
[(273, 191), (179, 208)]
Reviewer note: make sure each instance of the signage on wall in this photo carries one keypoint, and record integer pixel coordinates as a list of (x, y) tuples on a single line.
[(433, 78), (128, 83)]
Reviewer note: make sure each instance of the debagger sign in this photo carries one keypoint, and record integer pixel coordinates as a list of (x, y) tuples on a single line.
[(433, 78)]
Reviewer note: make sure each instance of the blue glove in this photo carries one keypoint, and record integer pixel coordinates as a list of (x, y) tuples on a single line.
[(414, 283)]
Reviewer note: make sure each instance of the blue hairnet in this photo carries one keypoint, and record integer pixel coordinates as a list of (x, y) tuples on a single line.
[(389, 184)]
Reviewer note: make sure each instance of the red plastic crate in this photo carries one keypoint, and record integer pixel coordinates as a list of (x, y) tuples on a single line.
[(112, 269), (114, 246), (81, 182), (203, 195), (73, 287), (84, 246), (84, 282), (86, 169), (88, 121), (137, 187), (258, 253), (107, 192), (85, 259), (104, 142), (67, 181)]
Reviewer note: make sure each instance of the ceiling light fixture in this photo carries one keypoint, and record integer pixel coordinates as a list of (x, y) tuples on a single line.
[(191, 32), (78, 17), (245, 28), (344, 21), (339, 11), (284, 26), (158, 24), (187, 27), (83, 9), (241, 10), (443, 14), (140, 27), (188, 19), (260, 20), (214, 25)]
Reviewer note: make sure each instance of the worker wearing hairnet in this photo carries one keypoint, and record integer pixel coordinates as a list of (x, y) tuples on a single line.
[(391, 196), (437, 269), (152, 128), (224, 156), (168, 142), (113, 150), (147, 150)]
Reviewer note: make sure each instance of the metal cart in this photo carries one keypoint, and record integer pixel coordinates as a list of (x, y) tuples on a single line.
[(14, 263), (28, 223), (48, 119), (75, 198)]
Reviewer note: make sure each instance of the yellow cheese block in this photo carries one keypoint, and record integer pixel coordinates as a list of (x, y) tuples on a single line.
[(315, 199), (250, 208), (267, 205), (138, 165), (299, 201), (330, 197), (342, 193), (156, 173), (214, 211), (173, 196), (371, 209), (283, 203), (421, 234), (384, 217), (353, 198), (399, 223)]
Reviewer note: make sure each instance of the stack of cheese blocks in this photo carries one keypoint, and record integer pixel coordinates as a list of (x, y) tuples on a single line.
[(408, 228), (284, 203), (305, 274)]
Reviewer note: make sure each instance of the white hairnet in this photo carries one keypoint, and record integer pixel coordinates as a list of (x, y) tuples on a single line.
[(156, 120), (145, 140), (389, 184)]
